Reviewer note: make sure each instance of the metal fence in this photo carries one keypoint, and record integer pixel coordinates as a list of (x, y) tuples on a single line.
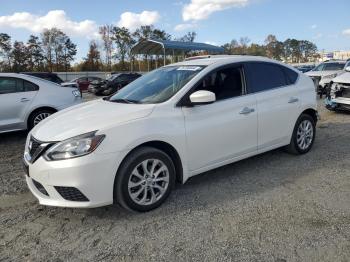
[(67, 76)]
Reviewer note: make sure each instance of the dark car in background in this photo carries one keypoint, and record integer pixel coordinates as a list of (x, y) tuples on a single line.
[(84, 82), (305, 68), (114, 83), (52, 77)]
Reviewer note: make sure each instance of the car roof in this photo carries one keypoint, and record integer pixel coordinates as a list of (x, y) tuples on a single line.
[(335, 61), (222, 59)]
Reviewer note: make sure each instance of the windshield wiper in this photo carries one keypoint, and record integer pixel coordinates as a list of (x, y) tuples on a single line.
[(125, 101)]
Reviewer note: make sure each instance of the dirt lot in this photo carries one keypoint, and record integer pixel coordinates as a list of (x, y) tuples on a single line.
[(272, 207)]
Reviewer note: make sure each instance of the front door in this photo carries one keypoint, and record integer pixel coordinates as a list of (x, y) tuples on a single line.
[(226, 129)]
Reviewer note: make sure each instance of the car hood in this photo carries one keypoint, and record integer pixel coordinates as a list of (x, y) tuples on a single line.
[(322, 73), (87, 117), (343, 78)]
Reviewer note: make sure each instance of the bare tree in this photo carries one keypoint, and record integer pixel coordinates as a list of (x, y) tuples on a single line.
[(105, 32)]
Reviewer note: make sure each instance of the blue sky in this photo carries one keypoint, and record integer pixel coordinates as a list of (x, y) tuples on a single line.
[(325, 22)]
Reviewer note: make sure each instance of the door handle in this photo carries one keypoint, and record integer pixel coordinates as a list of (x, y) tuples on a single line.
[(293, 100), (24, 99), (247, 110)]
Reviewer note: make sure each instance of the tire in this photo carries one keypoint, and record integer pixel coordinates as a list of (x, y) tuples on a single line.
[(296, 145), (38, 116), (133, 186)]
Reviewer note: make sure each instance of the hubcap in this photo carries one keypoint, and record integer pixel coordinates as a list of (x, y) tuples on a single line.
[(40, 117), (148, 182), (305, 134)]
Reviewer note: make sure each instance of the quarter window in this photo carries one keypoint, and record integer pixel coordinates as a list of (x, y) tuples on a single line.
[(265, 76), (291, 75)]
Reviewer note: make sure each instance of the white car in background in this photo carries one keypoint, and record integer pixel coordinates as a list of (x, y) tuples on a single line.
[(170, 124), (324, 73), (26, 100), (338, 97)]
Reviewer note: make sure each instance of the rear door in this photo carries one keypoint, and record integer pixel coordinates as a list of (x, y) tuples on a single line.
[(278, 102), (16, 95)]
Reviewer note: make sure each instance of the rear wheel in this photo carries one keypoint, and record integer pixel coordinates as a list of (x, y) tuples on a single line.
[(303, 135), (37, 116), (144, 180)]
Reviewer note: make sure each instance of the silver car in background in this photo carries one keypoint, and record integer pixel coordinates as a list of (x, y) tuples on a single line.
[(26, 100)]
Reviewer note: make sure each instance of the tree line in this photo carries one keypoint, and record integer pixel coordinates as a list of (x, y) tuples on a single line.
[(289, 51), (53, 50)]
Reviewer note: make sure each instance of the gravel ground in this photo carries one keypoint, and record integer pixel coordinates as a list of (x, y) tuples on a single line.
[(272, 207)]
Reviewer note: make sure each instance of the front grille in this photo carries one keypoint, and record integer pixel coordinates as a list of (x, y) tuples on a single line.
[(40, 187), (36, 148), (346, 92), (33, 146), (71, 193)]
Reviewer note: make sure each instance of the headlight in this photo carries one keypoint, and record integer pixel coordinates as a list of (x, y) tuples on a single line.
[(74, 147), (330, 76), (76, 93)]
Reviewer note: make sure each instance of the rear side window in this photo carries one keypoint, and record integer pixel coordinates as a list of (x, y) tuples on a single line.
[(265, 76), (16, 85), (8, 85)]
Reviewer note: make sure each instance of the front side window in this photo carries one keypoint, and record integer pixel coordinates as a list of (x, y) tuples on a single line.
[(265, 76), (319, 67), (156, 86), (224, 83)]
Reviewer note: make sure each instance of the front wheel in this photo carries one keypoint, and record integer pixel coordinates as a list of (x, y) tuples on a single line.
[(144, 180), (303, 135)]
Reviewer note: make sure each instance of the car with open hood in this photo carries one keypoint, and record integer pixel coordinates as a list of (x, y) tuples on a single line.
[(323, 74), (338, 96), (171, 124)]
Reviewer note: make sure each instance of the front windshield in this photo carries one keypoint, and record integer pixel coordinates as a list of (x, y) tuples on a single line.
[(334, 66), (156, 86), (112, 77)]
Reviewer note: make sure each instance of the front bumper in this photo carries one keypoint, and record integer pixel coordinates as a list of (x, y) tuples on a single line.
[(92, 175), (337, 103)]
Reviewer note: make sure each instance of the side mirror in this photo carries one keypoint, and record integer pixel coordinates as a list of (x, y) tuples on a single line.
[(202, 97), (347, 69)]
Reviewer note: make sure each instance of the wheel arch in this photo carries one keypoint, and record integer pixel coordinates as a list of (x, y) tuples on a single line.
[(166, 148), (311, 112), (38, 109)]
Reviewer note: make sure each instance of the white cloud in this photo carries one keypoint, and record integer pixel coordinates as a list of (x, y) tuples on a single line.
[(313, 26), (133, 20), (183, 27), (346, 32), (202, 9), (318, 36), (54, 18)]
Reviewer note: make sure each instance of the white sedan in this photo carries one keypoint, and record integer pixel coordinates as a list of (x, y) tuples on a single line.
[(169, 125), (26, 100)]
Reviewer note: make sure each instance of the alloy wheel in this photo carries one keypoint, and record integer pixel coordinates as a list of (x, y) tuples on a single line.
[(305, 134), (148, 182), (40, 117)]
